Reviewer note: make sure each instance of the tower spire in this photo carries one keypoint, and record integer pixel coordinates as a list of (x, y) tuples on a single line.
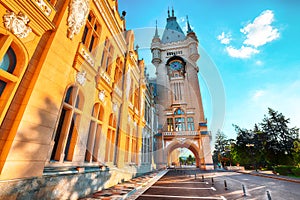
[(168, 12), (189, 30), (172, 12), (156, 31)]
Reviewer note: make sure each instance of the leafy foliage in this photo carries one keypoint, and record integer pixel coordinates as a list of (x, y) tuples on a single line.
[(272, 142)]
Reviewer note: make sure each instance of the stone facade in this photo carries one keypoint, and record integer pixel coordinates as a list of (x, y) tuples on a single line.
[(72, 93), (181, 121)]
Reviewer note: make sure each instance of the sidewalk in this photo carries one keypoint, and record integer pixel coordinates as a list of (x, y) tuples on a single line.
[(129, 189), (270, 174)]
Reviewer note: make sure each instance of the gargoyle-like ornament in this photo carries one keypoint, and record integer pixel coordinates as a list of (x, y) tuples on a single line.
[(78, 11), (17, 24)]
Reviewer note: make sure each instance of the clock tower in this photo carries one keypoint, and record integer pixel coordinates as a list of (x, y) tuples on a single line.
[(181, 121)]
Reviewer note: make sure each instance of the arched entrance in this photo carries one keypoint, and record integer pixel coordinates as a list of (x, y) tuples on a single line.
[(187, 144)]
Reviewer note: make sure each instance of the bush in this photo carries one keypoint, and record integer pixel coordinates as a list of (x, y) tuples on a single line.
[(284, 170), (296, 171)]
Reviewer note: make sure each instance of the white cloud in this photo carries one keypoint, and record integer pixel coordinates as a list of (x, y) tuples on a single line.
[(259, 63), (243, 52), (258, 33), (261, 31), (257, 94), (224, 38)]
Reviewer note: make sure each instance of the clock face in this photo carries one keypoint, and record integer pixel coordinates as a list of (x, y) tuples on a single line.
[(176, 65)]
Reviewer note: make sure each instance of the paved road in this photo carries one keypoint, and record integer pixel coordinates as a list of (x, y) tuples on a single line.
[(181, 184)]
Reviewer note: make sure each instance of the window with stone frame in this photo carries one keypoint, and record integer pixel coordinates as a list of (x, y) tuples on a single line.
[(13, 62), (66, 134), (127, 142), (94, 137), (91, 33), (107, 56), (170, 124), (111, 139), (190, 124), (136, 98), (119, 73)]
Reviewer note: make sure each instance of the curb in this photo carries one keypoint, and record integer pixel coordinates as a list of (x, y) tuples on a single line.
[(271, 176), (133, 194)]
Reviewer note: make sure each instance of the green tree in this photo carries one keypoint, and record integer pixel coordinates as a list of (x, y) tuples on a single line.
[(272, 142), (279, 138), (221, 142)]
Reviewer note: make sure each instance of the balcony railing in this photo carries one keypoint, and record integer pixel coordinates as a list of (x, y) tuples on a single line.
[(181, 133)]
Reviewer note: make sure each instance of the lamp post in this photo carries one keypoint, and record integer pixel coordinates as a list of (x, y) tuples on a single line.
[(252, 145)]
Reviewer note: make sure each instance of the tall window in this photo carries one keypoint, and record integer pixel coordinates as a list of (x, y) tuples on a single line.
[(133, 147), (179, 124), (111, 139), (107, 56), (93, 142), (136, 99), (67, 130), (119, 73), (170, 124), (12, 67), (126, 159), (91, 33), (190, 124)]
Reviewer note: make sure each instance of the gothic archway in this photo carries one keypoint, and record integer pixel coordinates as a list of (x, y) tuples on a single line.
[(186, 144)]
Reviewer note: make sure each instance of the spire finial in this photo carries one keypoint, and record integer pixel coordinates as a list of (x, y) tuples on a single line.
[(172, 12), (168, 12), (189, 30)]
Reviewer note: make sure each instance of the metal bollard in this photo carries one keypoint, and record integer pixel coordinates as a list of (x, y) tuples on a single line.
[(244, 190), (212, 181), (202, 178), (225, 184), (269, 196)]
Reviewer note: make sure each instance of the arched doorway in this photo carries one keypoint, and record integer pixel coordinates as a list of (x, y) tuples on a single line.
[(188, 145)]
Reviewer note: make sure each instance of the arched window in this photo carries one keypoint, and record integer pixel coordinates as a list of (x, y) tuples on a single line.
[(178, 111), (111, 139), (93, 142), (13, 60), (67, 130), (91, 33)]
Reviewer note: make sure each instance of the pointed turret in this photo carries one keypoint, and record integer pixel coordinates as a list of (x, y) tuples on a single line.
[(189, 29), (190, 32), (173, 31), (155, 47)]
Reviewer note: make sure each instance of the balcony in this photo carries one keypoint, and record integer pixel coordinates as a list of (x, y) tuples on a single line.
[(181, 133)]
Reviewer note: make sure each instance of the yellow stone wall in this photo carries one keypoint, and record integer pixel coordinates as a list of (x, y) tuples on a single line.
[(30, 116)]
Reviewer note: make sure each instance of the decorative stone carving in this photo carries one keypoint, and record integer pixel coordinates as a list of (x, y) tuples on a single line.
[(81, 77), (115, 107), (101, 95), (78, 11), (43, 6), (17, 24), (87, 57)]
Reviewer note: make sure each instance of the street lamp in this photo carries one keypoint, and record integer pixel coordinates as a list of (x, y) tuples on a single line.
[(252, 145)]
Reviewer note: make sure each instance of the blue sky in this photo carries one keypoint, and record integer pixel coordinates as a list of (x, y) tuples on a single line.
[(250, 47)]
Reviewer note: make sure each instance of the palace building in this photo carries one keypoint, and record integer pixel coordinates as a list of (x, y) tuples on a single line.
[(181, 120), (76, 110)]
